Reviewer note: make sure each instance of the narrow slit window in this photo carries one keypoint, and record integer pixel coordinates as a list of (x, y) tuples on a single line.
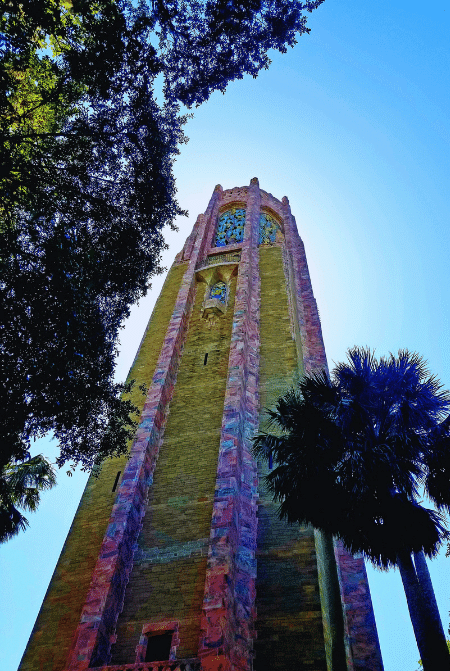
[(205, 360), (116, 481), (158, 647)]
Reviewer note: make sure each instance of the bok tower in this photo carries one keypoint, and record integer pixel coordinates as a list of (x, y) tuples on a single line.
[(176, 559)]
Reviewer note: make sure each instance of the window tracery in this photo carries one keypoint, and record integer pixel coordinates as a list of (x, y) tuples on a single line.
[(230, 227), (219, 291), (268, 229)]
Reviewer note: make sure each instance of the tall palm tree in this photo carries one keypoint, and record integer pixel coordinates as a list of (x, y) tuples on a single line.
[(369, 440), (20, 485)]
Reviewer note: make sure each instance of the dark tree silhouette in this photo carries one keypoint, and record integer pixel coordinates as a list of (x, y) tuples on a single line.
[(367, 441), (86, 186)]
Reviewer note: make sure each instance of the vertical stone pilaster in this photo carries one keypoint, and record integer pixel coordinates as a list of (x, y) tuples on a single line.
[(313, 350), (188, 248), (92, 640), (362, 644), (189, 244), (228, 609), (210, 233)]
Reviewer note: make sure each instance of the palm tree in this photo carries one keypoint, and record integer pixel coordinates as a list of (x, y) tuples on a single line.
[(20, 485), (369, 440)]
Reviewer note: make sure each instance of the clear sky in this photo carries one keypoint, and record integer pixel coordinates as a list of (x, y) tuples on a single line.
[(353, 126)]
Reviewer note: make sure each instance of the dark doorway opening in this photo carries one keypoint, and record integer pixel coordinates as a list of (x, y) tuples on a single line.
[(158, 647)]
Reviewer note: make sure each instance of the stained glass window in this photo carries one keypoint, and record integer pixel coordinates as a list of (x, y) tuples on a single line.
[(219, 290), (230, 227), (268, 228)]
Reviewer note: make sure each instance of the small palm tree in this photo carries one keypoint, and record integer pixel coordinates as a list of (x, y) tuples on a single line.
[(369, 440), (20, 485)]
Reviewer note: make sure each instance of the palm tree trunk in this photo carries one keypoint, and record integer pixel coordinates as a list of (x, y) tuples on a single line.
[(430, 641), (412, 587), (429, 599), (330, 596)]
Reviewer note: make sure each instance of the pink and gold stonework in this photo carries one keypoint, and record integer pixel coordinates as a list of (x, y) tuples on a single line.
[(179, 545)]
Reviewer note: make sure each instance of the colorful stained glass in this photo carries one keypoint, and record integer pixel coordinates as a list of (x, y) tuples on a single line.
[(268, 229), (219, 290), (230, 227)]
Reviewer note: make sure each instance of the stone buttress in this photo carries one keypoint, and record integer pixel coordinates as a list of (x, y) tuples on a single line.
[(176, 559)]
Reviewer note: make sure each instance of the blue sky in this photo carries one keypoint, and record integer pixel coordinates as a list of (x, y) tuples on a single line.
[(353, 126)]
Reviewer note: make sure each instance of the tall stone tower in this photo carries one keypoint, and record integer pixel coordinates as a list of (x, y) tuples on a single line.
[(176, 559)]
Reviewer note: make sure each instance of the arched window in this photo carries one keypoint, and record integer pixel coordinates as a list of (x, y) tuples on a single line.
[(268, 228), (230, 227), (219, 291)]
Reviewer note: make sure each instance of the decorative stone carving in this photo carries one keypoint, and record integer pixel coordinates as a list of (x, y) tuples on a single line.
[(217, 279), (216, 304)]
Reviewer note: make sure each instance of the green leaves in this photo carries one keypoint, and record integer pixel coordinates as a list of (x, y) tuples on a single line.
[(352, 452), (20, 485), (86, 185), (87, 192), (205, 45)]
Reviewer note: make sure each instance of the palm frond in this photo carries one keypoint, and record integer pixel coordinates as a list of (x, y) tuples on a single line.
[(20, 485), (351, 453)]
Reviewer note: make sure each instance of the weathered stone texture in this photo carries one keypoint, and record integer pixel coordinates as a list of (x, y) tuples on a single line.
[(60, 613), (226, 639), (182, 541), (289, 623), (278, 356), (95, 632), (179, 505), (364, 647)]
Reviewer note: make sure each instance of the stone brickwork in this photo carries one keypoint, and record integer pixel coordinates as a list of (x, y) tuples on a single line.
[(168, 576), (228, 609), (363, 646), (189, 546), (96, 630), (289, 623), (60, 613), (179, 665), (278, 353)]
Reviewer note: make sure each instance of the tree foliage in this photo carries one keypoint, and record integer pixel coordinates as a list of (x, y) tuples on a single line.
[(352, 454), (20, 485), (88, 138)]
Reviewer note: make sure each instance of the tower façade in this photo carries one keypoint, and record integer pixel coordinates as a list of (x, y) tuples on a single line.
[(176, 559)]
